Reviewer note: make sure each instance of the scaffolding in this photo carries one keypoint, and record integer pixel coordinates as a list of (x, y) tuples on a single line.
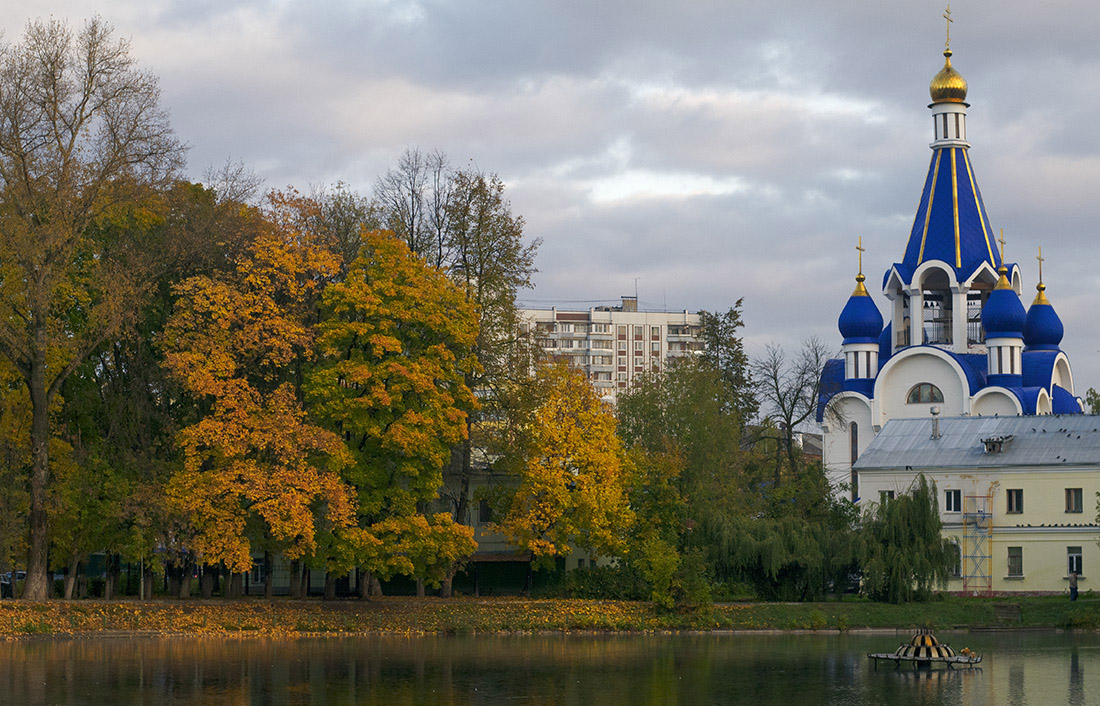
[(977, 557)]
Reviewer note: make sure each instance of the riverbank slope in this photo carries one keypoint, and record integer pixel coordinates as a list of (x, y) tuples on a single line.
[(401, 615)]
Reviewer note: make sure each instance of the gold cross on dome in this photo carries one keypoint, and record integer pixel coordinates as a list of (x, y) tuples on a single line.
[(1040, 258), (1001, 240), (947, 16), (861, 250)]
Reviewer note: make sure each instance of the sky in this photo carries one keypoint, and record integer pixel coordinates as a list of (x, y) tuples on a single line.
[(694, 151)]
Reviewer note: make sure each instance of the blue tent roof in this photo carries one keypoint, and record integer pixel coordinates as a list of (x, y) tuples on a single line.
[(951, 223)]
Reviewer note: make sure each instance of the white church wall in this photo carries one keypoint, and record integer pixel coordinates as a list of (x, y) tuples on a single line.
[(844, 409), (994, 401), (912, 367)]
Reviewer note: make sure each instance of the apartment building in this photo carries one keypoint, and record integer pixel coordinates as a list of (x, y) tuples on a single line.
[(614, 344)]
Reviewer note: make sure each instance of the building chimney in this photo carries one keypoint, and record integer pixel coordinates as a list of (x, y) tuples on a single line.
[(935, 422)]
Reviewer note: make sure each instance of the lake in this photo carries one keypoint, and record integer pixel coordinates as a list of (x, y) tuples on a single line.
[(793, 670)]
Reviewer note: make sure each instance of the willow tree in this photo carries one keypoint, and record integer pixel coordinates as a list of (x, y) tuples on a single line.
[(904, 554), (81, 129)]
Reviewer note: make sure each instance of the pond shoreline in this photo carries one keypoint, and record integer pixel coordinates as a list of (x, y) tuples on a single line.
[(500, 616)]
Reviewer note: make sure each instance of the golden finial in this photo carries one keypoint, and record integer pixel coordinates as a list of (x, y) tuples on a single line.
[(948, 86), (1041, 297), (1002, 281), (861, 290)]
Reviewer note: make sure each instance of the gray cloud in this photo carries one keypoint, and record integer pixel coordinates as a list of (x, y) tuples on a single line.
[(713, 150)]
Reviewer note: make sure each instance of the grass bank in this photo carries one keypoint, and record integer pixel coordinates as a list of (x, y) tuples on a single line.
[(409, 616)]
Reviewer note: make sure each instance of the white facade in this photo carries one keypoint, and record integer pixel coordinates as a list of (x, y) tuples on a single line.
[(1017, 494), (614, 345)]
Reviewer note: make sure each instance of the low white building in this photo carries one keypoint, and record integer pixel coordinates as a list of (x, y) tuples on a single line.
[(1017, 494)]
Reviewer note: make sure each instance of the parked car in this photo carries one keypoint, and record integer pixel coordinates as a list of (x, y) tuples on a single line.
[(7, 588)]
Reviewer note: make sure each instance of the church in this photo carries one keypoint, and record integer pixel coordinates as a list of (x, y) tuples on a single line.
[(961, 382)]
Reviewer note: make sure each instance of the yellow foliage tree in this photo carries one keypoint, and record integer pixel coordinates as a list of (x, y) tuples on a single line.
[(572, 481), (395, 345), (235, 344)]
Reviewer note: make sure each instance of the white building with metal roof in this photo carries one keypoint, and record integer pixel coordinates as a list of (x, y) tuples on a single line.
[(1017, 494)]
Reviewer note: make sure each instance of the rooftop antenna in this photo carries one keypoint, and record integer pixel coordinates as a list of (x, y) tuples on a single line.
[(636, 287)]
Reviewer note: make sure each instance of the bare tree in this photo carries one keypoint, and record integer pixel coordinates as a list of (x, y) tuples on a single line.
[(81, 133), (788, 389), (400, 192), (234, 182), (343, 216)]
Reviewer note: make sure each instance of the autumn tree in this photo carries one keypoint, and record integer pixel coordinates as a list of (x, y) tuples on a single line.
[(724, 351), (491, 261), (571, 490), (685, 418), (235, 343), (81, 129), (395, 343), (342, 216)]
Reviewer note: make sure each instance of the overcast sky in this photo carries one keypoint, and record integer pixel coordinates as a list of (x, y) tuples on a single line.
[(707, 150)]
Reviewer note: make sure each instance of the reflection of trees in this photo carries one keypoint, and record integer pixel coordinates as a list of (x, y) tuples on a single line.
[(540, 669)]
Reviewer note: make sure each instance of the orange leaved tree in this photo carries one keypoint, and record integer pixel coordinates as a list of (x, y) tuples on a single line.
[(236, 343)]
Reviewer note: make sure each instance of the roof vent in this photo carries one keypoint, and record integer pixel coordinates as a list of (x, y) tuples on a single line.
[(935, 422), (995, 444)]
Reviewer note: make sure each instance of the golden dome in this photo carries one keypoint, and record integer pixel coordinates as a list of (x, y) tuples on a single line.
[(948, 86)]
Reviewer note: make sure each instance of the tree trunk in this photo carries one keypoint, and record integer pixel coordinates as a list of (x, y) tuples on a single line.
[(110, 579), (147, 583), (234, 585), (269, 577), (296, 579), (446, 587), (37, 587), (70, 576), (362, 580), (375, 587), (462, 507), (206, 581), (185, 579), (330, 586), (420, 588), (305, 582)]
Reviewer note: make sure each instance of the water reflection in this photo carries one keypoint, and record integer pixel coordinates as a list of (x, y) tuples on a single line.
[(792, 670)]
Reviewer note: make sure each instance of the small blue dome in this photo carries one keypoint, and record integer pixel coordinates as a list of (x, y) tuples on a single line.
[(1003, 315), (860, 321), (1043, 329)]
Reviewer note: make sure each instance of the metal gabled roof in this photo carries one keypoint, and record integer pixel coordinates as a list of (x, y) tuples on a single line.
[(1047, 441)]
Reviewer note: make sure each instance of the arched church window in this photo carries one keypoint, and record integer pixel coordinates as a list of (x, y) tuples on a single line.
[(924, 392)]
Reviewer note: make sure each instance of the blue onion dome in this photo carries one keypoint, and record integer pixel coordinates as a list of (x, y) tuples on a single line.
[(1043, 329), (1003, 315), (860, 321)]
